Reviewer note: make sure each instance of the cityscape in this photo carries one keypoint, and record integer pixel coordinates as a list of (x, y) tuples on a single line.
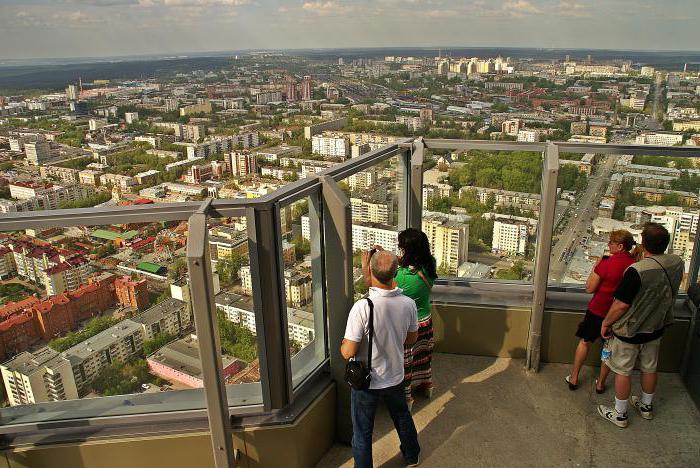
[(106, 310)]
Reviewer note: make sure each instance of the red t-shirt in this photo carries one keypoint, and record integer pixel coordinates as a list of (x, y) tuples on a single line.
[(610, 270)]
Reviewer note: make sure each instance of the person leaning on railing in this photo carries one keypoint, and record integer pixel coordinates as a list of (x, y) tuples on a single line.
[(602, 282), (642, 310), (416, 276)]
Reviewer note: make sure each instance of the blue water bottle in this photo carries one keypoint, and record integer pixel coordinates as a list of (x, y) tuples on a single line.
[(605, 352)]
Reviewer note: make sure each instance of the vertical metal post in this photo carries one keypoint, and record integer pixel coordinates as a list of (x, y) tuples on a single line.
[(337, 235), (548, 202), (267, 274), (692, 279), (694, 260), (403, 183), (415, 203), (202, 294)]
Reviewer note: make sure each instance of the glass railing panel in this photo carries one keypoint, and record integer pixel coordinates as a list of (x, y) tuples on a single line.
[(303, 285), (600, 193), (99, 311), (235, 311), (481, 212)]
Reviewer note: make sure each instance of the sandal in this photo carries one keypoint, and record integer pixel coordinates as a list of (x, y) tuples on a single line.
[(572, 386), (599, 391)]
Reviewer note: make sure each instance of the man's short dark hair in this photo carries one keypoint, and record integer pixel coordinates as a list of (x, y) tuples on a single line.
[(655, 238)]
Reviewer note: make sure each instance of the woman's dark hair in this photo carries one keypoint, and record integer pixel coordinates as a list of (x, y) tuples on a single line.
[(416, 251)]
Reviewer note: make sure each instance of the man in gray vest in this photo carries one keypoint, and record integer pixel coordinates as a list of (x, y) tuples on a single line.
[(642, 309)]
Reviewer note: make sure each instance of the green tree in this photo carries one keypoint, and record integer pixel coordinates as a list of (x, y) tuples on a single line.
[(177, 269), (228, 268), (92, 328), (516, 272), (158, 341), (123, 378), (236, 340)]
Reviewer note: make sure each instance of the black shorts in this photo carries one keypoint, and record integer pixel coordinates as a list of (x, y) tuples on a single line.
[(589, 328)]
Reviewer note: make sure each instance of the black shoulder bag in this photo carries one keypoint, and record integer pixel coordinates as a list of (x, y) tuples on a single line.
[(356, 372)]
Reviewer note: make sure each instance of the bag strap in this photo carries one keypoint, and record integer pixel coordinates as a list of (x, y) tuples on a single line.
[(371, 333), (422, 276), (666, 273)]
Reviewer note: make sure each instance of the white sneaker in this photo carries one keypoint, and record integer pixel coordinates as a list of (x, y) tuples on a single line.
[(611, 414), (410, 405), (645, 410)]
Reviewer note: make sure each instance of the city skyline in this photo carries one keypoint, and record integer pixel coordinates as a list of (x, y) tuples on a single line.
[(102, 28)]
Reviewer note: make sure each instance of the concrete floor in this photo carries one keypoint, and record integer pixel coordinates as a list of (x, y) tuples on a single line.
[(489, 412)]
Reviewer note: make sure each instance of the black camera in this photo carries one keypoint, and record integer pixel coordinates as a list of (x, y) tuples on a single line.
[(372, 251)]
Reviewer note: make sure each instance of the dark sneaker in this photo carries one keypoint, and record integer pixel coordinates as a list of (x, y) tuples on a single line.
[(645, 410), (416, 463), (606, 412)]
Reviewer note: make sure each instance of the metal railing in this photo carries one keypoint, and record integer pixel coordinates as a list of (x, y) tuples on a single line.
[(331, 252)]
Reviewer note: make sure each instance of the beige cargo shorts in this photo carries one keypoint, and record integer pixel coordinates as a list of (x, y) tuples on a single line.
[(623, 356)]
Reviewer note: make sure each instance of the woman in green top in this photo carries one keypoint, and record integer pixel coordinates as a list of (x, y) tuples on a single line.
[(415, 277)]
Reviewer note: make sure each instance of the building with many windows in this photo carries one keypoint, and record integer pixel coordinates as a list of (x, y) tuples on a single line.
[(37, 377), (373, 208), (117, 343), (170, 317), (509, 236), (449, 241), (331, 145)]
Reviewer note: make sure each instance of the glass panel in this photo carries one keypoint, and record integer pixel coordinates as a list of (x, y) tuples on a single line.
[(233, 283), (600, 193), (300, 228), (481, 210), (90, 312), (374, 200)]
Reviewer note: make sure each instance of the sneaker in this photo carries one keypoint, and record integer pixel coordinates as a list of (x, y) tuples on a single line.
[(606, 412), (645, 410), (409, 403), (429, 392), (416, 463)]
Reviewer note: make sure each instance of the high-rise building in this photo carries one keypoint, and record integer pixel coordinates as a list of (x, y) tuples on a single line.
[(72, 92), (292, 91), (449, 241), (307, 89), (331, 145), (509, 236), (131, 117), (37, 152), (242, 163), (512, 127), (372, 209), (38, 377)]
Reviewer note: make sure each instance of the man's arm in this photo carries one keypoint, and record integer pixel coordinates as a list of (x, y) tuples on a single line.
[(349, 348), (617, 310), (593, 282), (411, 337)]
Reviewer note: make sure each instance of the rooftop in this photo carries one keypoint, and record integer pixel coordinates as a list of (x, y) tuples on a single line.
[(155, 313), (27, 363), (102, 340), (183, 355)]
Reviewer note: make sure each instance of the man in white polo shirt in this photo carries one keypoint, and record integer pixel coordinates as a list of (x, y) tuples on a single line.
[(395, 324)]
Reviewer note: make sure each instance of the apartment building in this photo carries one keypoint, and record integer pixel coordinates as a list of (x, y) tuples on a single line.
[(448, 239), (37, 377), (170, 317), (373, 208), (48, 196), (658, 138), (64, 174), (90, 357), (362, 180), (7, 262), (332, 146), (204, 107), (37, 152), (431, 191), (241, 163), (297, 286), (509, 236), (132, 293), (512, 126)]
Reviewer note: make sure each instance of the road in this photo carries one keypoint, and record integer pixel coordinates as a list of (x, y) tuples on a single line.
[(585, 209)]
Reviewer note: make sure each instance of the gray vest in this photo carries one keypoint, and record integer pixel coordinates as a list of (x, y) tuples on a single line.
[(652, 307)]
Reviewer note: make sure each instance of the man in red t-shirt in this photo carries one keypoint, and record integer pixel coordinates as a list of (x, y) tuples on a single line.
[(602, 282)]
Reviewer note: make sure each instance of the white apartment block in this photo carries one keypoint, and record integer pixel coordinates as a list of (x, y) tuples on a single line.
[(372, 210), (38, 377), (657, 138), (47, 199), (331, 146), (431, 191), (509, 237), (449, 241), (246, 280), (37, 152), (66, 276), (131, 117), (300, 324), (362, 180), (117, 343)]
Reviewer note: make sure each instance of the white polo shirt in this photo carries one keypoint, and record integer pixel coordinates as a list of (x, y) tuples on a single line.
[(394, 316)]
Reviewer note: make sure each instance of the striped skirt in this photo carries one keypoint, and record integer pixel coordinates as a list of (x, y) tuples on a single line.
[(418, 358)]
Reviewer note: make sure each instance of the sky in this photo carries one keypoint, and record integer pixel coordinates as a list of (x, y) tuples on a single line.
[(97, 28)]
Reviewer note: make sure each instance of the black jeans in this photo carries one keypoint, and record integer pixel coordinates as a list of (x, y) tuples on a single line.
[(364, 406)]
